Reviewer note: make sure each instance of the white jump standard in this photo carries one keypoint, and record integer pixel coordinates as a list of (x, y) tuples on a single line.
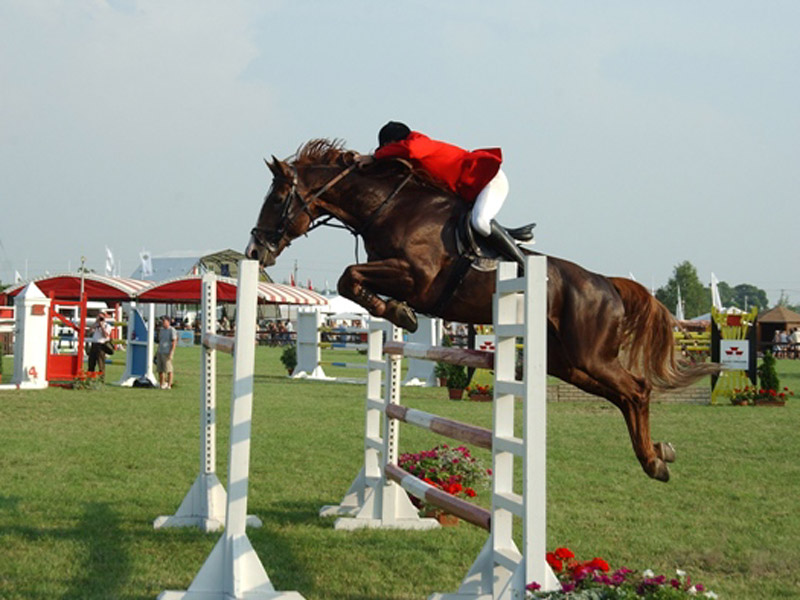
[(204, 504), (233, 570), (376, 498)]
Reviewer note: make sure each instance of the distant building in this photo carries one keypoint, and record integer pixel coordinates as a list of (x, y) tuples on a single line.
[(224, 263), (170, 266)]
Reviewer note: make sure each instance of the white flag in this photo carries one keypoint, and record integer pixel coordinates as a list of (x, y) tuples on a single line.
[(679, 311), (147, 263), (109, 263), (716, 301), (17, 277)]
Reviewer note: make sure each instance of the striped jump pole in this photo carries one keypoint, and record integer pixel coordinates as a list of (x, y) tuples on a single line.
[(233, 570), (377, 496)]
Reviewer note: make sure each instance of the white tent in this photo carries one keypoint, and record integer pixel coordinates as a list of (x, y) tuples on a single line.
[(339, 305)]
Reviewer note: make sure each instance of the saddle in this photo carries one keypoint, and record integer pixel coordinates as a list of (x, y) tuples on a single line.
[(475, 253)]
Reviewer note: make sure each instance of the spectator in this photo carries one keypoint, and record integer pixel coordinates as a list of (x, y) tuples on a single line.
[(167, 341), (794, 339), (101, 335)]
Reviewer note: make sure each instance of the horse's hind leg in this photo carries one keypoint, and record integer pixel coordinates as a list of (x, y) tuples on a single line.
[(362, 284), (632, 397)]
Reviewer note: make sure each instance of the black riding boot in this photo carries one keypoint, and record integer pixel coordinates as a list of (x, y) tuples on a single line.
[(501, 241)]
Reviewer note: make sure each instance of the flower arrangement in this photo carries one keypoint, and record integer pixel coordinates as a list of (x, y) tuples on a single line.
[(453, 470), (592, 580), (482, 391), (752, 396)]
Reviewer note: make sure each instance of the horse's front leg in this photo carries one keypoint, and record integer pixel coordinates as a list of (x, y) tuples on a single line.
[(393, 278)]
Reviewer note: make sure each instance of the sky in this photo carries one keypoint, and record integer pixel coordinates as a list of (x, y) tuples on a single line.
[(636, 134)]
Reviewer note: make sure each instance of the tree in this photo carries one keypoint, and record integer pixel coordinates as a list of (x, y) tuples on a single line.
[(746, 296), (696, 297)]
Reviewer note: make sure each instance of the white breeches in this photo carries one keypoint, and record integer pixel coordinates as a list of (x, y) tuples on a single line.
[(488, 203)]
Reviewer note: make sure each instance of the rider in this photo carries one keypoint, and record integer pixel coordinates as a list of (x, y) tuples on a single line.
[(475, 176)]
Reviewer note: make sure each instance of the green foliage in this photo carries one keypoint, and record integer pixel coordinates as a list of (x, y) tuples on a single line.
[(289, 357), (767, 374), (696, 297), (744, 296), (457, 378)]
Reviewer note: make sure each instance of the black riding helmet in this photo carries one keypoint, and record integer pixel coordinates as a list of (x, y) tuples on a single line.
[(393, 131)]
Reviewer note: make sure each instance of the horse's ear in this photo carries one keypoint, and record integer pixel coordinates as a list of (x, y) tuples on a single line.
[(278, 168), (273, 166)]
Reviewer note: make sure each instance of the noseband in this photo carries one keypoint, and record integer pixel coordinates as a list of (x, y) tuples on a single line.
[(265, 238)]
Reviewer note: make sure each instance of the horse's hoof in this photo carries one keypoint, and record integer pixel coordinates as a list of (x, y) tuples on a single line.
[(665, 451), (658, 469), (403, 316)]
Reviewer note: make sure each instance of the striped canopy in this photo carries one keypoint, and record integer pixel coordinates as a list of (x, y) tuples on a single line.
[(183, 290), (188, 290), (67, 286)]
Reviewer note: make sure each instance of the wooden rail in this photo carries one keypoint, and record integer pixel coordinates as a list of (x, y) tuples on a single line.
[(218, 342), (463, 432), (478, 359)]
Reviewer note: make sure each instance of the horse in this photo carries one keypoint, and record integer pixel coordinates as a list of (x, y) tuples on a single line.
[(607, 336)]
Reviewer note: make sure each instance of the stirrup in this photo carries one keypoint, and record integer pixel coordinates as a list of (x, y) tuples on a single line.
[(501, 241), (522, 234)]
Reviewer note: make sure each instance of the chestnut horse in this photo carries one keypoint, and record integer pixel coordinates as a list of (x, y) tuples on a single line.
[(606, 335)]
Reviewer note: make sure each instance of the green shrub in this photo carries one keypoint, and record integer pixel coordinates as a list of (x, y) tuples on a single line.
[(767, 374)]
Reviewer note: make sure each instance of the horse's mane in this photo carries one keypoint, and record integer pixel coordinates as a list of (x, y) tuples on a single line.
[(322, 151)]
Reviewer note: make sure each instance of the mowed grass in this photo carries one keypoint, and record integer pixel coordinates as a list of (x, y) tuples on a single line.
[(84, 472)]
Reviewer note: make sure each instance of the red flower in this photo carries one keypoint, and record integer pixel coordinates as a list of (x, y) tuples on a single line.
[(470, 492), (564, 553), (599, 563), (554, 562)]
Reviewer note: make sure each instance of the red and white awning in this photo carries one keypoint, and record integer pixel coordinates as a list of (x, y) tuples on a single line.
[(188, 290), (183, 290), (67, 286)]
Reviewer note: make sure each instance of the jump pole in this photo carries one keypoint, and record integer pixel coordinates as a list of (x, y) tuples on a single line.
[(502, 570)]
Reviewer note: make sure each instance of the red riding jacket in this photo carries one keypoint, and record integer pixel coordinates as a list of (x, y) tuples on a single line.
[(465, 172)]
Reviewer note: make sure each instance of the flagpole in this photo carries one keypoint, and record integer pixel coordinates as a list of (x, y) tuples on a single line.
[(83, 272)]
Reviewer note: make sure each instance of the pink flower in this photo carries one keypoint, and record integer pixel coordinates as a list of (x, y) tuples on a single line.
[(532, 587)]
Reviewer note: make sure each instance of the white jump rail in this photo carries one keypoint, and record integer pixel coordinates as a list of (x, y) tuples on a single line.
[(233, 570), (377, 497)]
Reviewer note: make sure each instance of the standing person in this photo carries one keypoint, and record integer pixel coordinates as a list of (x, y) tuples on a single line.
[(167, 341), (101, 334)]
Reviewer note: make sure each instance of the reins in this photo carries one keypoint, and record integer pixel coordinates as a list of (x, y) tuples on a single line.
[(287, 219)]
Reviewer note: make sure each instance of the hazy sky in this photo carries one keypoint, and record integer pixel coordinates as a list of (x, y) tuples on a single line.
[(637, 134)]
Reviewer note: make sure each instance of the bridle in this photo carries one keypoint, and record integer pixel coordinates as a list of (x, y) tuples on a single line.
[(294, 197), (265, 238)]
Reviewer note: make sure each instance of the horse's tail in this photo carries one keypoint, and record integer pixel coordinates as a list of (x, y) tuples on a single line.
[(649, 343)]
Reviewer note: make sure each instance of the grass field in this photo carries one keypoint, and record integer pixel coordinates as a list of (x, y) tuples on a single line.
[(84, 472)]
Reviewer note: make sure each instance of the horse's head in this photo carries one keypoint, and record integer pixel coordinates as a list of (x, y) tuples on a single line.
[(285, 214), (295, 199)]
